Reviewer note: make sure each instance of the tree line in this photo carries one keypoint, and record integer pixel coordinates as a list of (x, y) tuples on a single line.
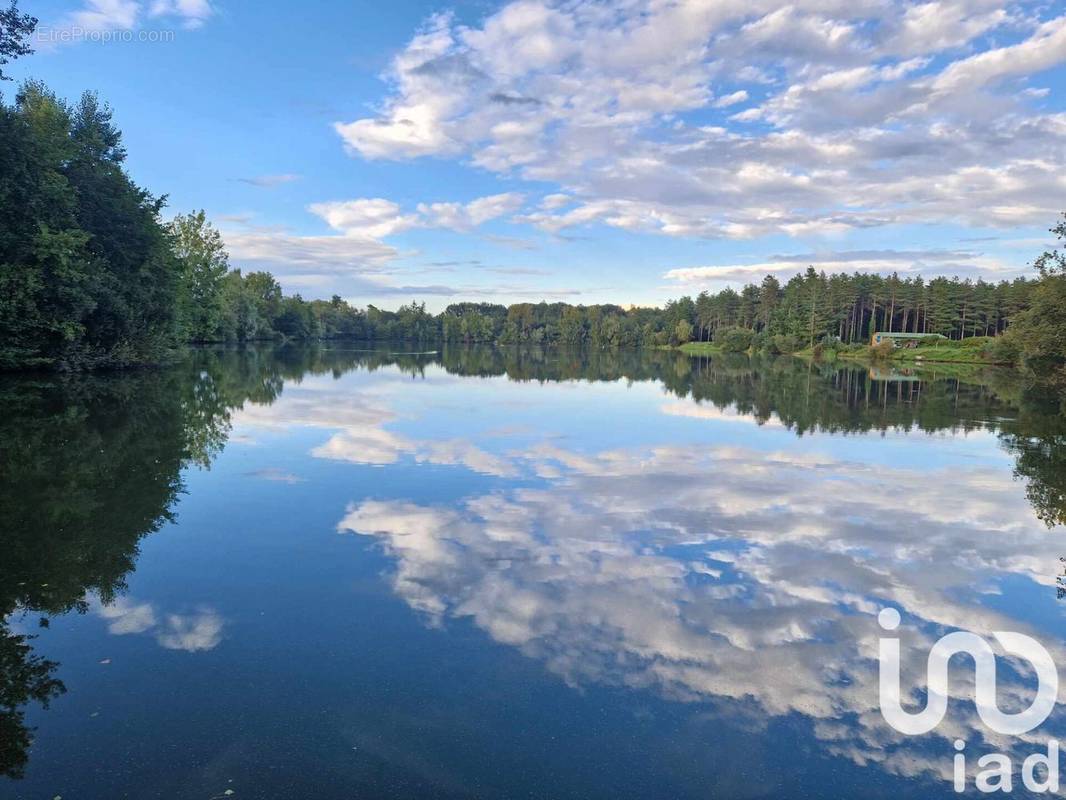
[(92, 275)]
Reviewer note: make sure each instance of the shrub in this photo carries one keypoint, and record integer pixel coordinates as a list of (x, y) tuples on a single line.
[(660, 338), (733, 340), (883, 350), (1006, 349), (783, 343)]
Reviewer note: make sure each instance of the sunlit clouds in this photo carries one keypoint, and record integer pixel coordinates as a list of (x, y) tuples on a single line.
[(604, 151), (738, 119)]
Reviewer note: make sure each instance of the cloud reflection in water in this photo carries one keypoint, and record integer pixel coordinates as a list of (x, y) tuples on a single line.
[(724, 572), (195, 632)]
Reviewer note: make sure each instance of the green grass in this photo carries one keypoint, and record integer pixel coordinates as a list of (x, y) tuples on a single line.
[(700, 348), (974, 350)]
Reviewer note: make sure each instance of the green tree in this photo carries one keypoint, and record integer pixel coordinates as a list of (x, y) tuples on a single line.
[(203, 263), (683, 331), (242, 320), (572, 326), (1040, 330), (15, 29), (86, 277), (769, 296)]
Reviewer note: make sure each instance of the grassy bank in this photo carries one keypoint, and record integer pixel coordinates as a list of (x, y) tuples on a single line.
[(692, 348), (701, 348), (973, 350)]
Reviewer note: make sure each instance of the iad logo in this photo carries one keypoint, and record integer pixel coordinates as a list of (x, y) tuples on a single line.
[(998, 776), (1016, 644)]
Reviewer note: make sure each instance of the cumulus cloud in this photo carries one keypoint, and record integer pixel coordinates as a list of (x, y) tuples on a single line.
[(281, 248), (731, 99), (102, 16), (375, 218), (360, 225), (463, 217), (870, 113), (907, 263), (364, 218)]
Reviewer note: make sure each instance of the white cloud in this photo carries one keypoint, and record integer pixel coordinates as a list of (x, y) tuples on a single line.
[(907, 264), (463, 217), (364, 218), (270, 181), (105, 15), (874, 113), (553, 202), (193, 13), (938, 26), (1044, 49), (360, 225), (284, 249), (411, 125), (102, 16), (731, 99), (377, 218)]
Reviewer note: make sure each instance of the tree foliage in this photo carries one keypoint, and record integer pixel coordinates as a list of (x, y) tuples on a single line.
[(203, 265), (1039, 332), (87, 275), (91, 276), (15, 29)]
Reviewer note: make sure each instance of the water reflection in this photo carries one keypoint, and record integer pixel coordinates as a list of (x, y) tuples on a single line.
[(92, 465), (201, 630), (728, 573), (744, 570)]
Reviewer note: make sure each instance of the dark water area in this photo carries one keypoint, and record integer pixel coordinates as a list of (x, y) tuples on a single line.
[(351, 572)]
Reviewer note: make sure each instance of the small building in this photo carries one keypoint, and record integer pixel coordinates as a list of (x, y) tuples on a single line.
[(904, 339)]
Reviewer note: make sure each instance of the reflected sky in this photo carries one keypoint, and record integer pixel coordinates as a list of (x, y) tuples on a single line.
[(402, 581)]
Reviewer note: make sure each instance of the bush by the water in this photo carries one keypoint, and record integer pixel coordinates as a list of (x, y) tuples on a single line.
[(883, 350), (786, 343), (733, 340)]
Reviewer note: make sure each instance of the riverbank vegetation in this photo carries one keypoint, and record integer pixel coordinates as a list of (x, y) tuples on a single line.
[(93, 275), (985, 350)]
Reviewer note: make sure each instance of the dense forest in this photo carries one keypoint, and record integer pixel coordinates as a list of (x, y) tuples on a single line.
[(93, 275)]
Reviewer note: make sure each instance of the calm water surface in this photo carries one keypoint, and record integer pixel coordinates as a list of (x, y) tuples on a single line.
[(341, 573)]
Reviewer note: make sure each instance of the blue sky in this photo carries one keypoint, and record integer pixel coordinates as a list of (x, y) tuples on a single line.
[(591, 152)]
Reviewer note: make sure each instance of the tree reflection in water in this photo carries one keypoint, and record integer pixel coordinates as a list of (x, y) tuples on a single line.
[(92, 464)]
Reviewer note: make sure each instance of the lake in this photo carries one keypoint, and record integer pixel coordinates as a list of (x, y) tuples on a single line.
[(352, 572)]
